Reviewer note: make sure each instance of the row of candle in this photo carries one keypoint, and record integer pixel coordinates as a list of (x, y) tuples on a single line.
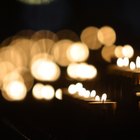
[(126, 63), (78, 91)]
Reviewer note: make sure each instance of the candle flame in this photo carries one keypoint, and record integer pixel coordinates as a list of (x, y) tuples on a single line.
[(93, 93), (132, 65), (104, 97), (97, 98), (138, 62)]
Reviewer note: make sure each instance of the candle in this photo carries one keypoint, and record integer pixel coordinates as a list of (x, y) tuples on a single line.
[(108, 107)]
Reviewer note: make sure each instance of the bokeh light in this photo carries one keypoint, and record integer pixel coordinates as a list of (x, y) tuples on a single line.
[(89, 37), (78, 52), (107, 35)]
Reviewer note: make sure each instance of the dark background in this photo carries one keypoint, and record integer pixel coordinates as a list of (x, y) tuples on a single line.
[(122, 15)]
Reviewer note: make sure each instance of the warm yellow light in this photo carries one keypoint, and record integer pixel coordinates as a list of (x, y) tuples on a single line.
[(78, 52), (132, 65), (138, 62), (81, 71), (47, 92), (16, 90), (87, 94), (89, 37), (36, 91), (120, 62), (128, 51), (5, 68), (118, 51), (59, 52), (93, 93), (41, 46), (137, 93), (44, 34), (58, 94), (108, 53), (26, 76), (67, 34), (97, 98), (107, 35), (78, 86), (104, 97), (82, 91), (45, 70), (36, 2), (126, 61), (72, 89)]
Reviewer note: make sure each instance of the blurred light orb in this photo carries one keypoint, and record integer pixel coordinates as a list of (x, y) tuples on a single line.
[(97, 98), (89, 37), (78, 52), (128, 51), (72, 89), (120, 62), (107, 53), (126, 61), (58, 94), (59, 52), (16, 90), (47, 92), (36, 91), (118, 51), (82, 71), (106, 35), (93, 93), (45, 70), (138, 62), (36, 2), (104, 97), (132, 65)]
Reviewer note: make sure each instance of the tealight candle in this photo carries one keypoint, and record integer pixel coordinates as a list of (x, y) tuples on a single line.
[(103, 106)]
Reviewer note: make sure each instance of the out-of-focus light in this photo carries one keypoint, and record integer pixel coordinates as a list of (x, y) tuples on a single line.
[(137, 93), (126, 61), (87, 94), (120, 62), (36, 2), (78, 86), (78, 52), (93, 93), (27, 76), (82, 91), (44, 34), (128, 51), (45, 70), (16, 90), (138, 62), (72, 89), (41, 46), (81, 71), (67, 34), (5, 68), (59, 52), (108, 53), (97, 98), (132, 65), (47, 92), (104, 97), (36, 91), (118, 51), (89, 37), (58, 94), (107, 35)]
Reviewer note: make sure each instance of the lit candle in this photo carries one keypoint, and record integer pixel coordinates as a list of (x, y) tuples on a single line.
[(104, 106)]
